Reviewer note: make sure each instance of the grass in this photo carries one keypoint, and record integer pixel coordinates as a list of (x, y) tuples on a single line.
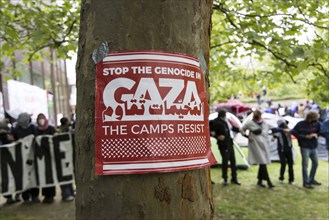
[(285, 201), (5, 216)]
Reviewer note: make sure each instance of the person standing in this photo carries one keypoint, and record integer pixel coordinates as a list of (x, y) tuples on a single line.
[(6, 138), (259, 102), (223, 132), (23, 129), (284, 147), (300, 112), (258, 146), (307, 132), (264, 90), (43, 128), (67, 189)]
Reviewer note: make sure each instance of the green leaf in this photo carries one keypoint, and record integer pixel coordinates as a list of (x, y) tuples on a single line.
[(290, 42), (302, 66)]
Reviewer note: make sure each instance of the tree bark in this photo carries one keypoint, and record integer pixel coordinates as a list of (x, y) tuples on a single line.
[(169, 25)]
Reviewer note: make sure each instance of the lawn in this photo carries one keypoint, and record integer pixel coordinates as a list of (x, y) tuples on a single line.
[(285, 201)]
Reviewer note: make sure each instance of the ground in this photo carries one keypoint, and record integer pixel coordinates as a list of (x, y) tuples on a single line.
[(57, 211)]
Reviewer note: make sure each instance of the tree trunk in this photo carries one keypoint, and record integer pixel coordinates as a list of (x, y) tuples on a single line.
[(168, 25)]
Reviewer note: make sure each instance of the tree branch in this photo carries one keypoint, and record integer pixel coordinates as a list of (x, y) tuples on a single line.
[(307, 21), (221, 7), (37, 50), (320, 67), (291, 77), (70, 28), (221, 44), (56, 43), (256, 43)]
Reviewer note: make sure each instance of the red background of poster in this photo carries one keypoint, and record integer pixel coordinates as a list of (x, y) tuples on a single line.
[(148, 120)]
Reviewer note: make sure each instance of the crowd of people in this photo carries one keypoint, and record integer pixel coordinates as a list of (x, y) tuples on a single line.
[(24, 127), (256, 130), (296, 110), (306, 131)]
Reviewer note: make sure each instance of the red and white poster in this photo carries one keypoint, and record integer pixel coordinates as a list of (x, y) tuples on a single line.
[(151, 114)]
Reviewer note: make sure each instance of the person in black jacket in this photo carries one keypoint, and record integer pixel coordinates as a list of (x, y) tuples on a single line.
[(283, 136), (23, 129), (67, 189), (307, 132), (222, 130), (6, 138)]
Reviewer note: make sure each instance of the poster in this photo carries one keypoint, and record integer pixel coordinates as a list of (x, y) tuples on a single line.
[(151, 114)]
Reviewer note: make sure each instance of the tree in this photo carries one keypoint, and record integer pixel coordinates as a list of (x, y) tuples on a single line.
[(178, 26), (271, 42)]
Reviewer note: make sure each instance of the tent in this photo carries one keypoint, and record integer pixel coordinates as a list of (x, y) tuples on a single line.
[(232, 118), (241, 161), (322, 149)]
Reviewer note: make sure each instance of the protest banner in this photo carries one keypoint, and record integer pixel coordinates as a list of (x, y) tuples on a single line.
[(151, 114), (41, 161)]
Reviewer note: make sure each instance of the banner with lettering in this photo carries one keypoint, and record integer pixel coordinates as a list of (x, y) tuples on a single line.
[(17, 170), (40, 161), (151, 114)]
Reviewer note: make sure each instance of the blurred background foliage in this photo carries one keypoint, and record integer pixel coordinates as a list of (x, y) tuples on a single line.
[(33, 25), (280, 44)]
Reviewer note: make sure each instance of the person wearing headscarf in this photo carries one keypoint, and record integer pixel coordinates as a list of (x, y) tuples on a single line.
[(24, 128), (258, 146), (307, 133), (43, 128)]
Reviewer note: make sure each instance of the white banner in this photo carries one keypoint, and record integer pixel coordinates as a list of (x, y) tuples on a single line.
[(36, 162), (27, 98)]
